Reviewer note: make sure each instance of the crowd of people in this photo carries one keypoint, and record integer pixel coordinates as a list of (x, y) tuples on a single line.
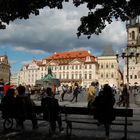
[(16, 102)]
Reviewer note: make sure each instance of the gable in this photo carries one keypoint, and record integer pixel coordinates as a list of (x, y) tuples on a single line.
[(32, 65), (76, 61), (52, 63)]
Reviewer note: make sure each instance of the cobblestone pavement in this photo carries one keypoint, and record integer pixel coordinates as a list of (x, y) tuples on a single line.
[(80, 131)]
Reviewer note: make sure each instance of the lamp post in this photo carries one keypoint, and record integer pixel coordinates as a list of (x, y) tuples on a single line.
[(126, 54)]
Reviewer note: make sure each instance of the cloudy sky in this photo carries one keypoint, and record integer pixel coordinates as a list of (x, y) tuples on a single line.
[(54, 31)]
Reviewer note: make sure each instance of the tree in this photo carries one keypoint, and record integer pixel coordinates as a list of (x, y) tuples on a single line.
[(100, 12)]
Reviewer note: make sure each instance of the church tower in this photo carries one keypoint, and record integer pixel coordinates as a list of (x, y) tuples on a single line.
[(133, 51), (133, 32)]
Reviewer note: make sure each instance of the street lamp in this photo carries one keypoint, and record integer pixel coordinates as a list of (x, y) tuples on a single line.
[(126, 54)]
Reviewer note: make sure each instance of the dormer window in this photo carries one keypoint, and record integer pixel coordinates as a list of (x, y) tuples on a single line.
[(88, 58), (44, 61)]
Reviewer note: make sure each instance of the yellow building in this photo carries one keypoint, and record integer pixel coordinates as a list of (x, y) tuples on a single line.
[(109, 72)]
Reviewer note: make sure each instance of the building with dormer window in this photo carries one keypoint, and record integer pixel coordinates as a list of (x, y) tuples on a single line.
[(75, 66), (69, 67)]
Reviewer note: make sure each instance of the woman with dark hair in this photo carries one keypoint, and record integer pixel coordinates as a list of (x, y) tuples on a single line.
[(104, 108)]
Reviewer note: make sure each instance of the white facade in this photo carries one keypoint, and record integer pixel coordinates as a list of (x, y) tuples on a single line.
[(14, 79), (70, 67), (32, 72)]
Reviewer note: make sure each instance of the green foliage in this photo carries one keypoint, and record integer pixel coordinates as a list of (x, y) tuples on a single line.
[(93, 23)]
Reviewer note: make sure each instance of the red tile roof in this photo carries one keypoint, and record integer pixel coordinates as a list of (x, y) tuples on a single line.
[(69, 55), (39, 63)]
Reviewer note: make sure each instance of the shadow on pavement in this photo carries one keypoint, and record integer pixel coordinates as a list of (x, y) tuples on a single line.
[(35, 135)]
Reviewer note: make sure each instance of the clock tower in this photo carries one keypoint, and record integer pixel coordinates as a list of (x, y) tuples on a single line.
[(133, 32), (133, 52)]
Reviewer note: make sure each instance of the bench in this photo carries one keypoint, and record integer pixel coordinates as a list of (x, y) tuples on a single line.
[(66, 111), (119, 112)]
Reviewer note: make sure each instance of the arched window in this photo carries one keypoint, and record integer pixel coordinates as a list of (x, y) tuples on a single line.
[(133, 35)]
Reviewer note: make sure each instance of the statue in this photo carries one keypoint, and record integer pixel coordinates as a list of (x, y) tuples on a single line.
[(49, 70)]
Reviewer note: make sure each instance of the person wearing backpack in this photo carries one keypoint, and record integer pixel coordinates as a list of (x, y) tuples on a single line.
[(51, 110)]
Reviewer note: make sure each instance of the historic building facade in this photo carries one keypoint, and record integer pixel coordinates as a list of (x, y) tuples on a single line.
[(132, 65), (77, 66), (69, 67), (32, 72), (109, 71), (4, 68), (14, 79)]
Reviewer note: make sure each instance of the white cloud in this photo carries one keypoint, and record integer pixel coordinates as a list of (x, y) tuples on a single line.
[(115, 32), (55, 30), (22, 49)]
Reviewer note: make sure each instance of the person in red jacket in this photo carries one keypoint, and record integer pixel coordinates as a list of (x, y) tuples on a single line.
[(6, 87)]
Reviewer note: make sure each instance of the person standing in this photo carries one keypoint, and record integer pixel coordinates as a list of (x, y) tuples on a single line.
[(125, 96), (104, 111), (64, 91), (91, 94)]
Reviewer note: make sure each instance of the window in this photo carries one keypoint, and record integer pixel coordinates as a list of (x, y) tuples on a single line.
[(129, 34), (112, 66), (67, 76), (106, 65), (72, 76), (133, 35), (63, 75), (101, 65), (60, 76), (90, 76), (112, 75), (90, 66), (131, 77), (85, 76), (107, 75), (80, 76), (135, 76), (101, 75)]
